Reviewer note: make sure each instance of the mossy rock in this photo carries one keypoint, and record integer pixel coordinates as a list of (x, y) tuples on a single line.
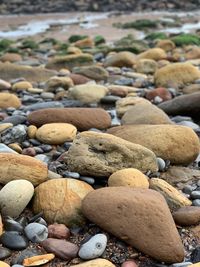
[(99, 39), (28, 43), (139, 24), (49, 40), (5, 44), (156, 36), (186, 39), (76, 37)]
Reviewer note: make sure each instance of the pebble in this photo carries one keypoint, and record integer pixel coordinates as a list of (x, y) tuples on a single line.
[(181, 264), (43, 105), (36, 232), (5, 148), (14, 240), (14, 134), (15, 120), (12, 225), (93, 248), (129, 263), (195, 195), (195, 256), (4, 253), (161, 164), (43, 158), (196, 202), (189, 188), (26, 253), (59, 231), (88, 180), (74, 175)]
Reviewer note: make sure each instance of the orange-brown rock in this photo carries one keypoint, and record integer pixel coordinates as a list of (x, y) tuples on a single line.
[(187, 216), (163, 93), (38, 260), (9, 100), (140, 217)]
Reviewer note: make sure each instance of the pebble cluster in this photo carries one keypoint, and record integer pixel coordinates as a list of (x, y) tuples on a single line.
[(99, 153)]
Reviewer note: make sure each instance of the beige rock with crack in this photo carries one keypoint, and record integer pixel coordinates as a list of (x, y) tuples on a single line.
[(96, 263), (174, 198)]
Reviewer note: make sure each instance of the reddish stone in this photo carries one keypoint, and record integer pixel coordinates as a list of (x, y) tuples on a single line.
[(78, 78), (59, 231), (129, 263), (122, 92), (161, 92), (30, 151)]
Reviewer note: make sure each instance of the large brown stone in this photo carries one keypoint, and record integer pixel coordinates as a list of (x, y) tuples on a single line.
[(140, 217), (60, 200), (188, 105), (121, 59), (153, 53), (10, 71), (176, 143), (187, 216), (81, 118), (143, 113), (176, 75), (100, 154)]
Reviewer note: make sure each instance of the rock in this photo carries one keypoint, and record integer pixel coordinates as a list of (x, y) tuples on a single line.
[(11, 225), (44, 105), (56, 133), (176, 75), (55, 82), (187, 105), (32, 74), (14, 134), (195, 256), (78, 79), (124, 104), (81, 118), (143, 113), (9, 100), (59, 231), (4, 253), (93, 72), (84, 43), (129, 263), (88, 93), (93, 248), (38, 260), (5, 126), (121, 59), (153, 54), (15, 196), (6, 149), (195, 265), (31, 131), (3, 264), (163, 93), (61, 248), (16, 147), (100, 154), (150, 228), (64, 207), (69, 61), (15, 167), (20, 86), (146, 66), (192, 88), (181, 264), (96, 263), (166, 45), (14, 240), (174, 198), (187, 216), (4, 85), (36, 232), (195, 195), (180, 175), (192, 53), (176, 143), (26, 253), (15, 119), (11, 57), (128, 177)]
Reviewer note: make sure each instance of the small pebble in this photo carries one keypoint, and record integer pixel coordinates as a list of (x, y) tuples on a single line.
[(59, 231), (14, 240), (161, 164), (36, 232), (4, 253), (195, 195), (196, 202)]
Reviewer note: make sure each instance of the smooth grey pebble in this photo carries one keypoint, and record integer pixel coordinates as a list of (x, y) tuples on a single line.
[(36, 232), (161, 164)]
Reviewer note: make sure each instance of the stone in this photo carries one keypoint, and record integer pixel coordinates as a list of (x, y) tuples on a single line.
[(121, 59), (153, 54), (14, 240), (166, 45), (100, 154), (69, 61), (186, 105), (173, 197), (78, 78), (150, 228), (195, 265), (6, 149), (26, 253), (195, 195), (55, 82), (181, 264), (176, 75), (192, 88), (88, 93), (82, 118), (93, 72), (20, 86), (31, 131), (4, 264), (5, 126), (44, 105), (16, 147), (187, 216), (32, 74), (15, 196), (129, 263), (192, 53), (84, 43), (195, 256), (11, 225), (36, 232), (9, 100), (124, 104), (146, 66), (56, 133), (15, 119), (38, 260), (14, 134), (161, 164), (176, 143), (4, 253), (59, 231), (64, 207), (180, 175), (96, 263), (163, 93), (61, 248), (196, 202), (11, 57), (4, 85), (93, 248), (128, 177), (15, 167), (143, 113)]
